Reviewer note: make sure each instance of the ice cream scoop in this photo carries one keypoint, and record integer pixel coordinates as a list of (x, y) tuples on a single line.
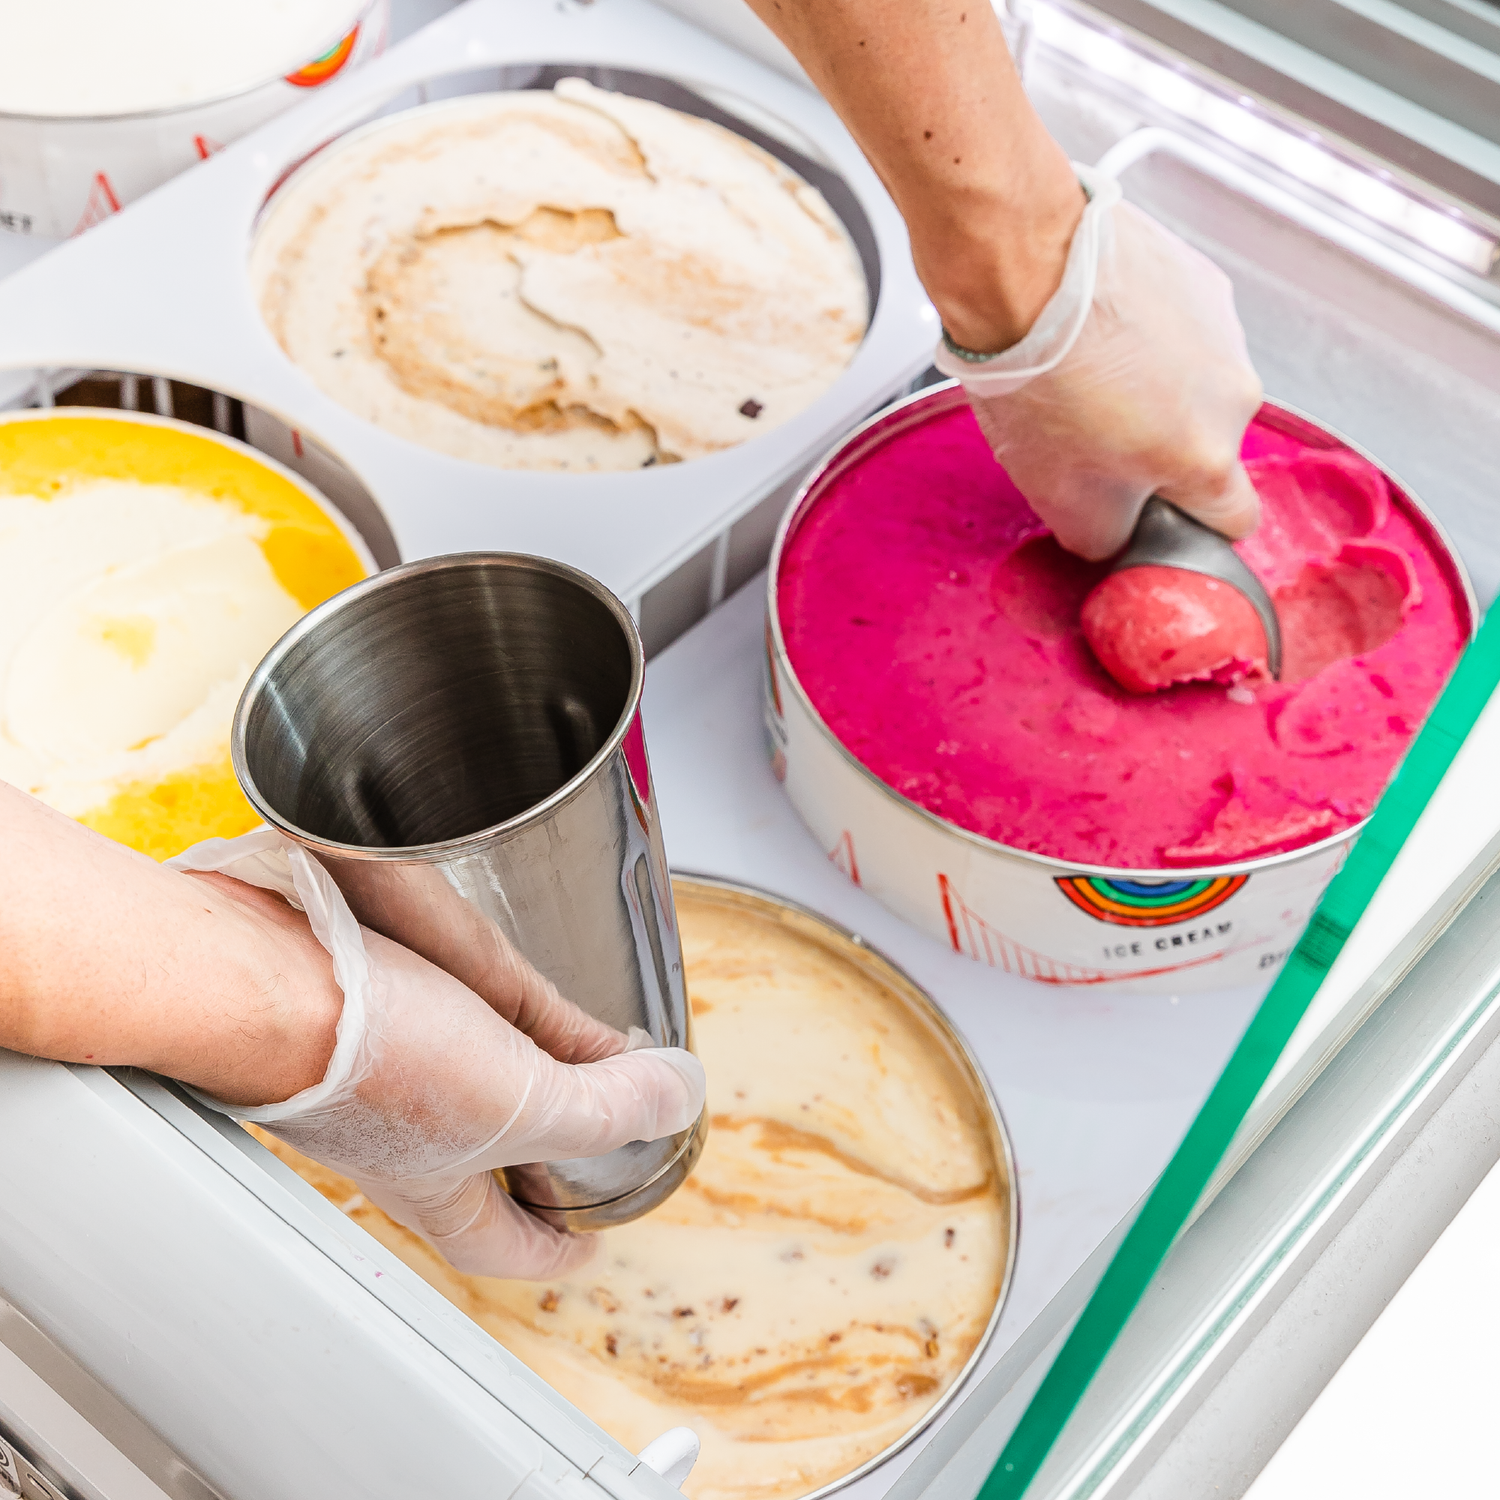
[(1179, 605)]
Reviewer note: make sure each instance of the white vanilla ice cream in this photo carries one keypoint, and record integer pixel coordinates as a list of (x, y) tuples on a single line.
[(576, 280), (131, 616), (145, 568), (829, 1267), (70, 58)]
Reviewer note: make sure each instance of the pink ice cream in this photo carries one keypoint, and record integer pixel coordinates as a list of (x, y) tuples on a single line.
[(1153, 627), (934, 622)]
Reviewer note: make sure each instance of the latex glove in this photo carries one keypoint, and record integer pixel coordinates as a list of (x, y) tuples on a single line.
[(429, 1088), (1133, 381)]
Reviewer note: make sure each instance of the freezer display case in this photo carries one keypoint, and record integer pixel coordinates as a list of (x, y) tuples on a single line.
[(1217, 1187)]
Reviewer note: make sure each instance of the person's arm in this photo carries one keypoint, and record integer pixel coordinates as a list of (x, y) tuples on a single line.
[(106, 957), (109, 958), (1124, 378), (928, 89)]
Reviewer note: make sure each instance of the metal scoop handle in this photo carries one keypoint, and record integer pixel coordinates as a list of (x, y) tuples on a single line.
[(1166, 537)]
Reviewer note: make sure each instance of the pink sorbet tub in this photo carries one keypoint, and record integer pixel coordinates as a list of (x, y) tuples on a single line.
[(949, 740)]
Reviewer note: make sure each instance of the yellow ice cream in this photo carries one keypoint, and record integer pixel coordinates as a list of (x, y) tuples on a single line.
[(829, 1267), (145, 568)]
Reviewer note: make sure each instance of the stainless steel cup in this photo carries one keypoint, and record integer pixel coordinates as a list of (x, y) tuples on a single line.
[(458, 741)]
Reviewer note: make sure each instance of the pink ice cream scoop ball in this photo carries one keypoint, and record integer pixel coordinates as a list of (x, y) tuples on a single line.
[(1152, 627)]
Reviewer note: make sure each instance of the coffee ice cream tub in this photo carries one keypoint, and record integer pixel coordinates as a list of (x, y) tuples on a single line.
[(1161, 916), (819, 1289), (100, 103)]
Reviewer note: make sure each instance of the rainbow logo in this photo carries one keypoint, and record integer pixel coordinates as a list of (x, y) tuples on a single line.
[(321, 69), (1148, 903)]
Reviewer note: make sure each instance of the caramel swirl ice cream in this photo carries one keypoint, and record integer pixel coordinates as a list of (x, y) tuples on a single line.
[(146, 566), (576, 280), (828, 1269)]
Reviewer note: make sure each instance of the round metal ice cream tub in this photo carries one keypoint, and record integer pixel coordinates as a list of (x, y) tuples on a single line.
[(1040, 917), (346, 242), (968, 1082), (458, 742), (60, 175)]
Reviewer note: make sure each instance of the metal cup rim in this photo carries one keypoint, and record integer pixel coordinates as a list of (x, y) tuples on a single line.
[(451, 562)]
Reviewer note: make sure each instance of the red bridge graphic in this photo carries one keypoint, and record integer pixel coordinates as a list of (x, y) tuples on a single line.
[(102, 202), (842, 854)]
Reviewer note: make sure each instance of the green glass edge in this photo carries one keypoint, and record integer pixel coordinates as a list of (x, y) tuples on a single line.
[(1181, 1185)]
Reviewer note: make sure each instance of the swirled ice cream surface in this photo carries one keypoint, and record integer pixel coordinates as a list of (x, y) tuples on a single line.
[(577, 281), (934, 623), (145, 569), (828, 1268)]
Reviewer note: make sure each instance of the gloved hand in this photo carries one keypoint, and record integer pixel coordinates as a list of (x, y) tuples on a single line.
[(1133, 381), (429, 1088)]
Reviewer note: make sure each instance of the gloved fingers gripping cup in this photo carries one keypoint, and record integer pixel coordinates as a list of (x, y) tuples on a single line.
[(1133, 381), (430, 1089)]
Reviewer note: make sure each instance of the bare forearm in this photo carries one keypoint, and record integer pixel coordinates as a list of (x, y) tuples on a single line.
[(106, 957), (928, 90)]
